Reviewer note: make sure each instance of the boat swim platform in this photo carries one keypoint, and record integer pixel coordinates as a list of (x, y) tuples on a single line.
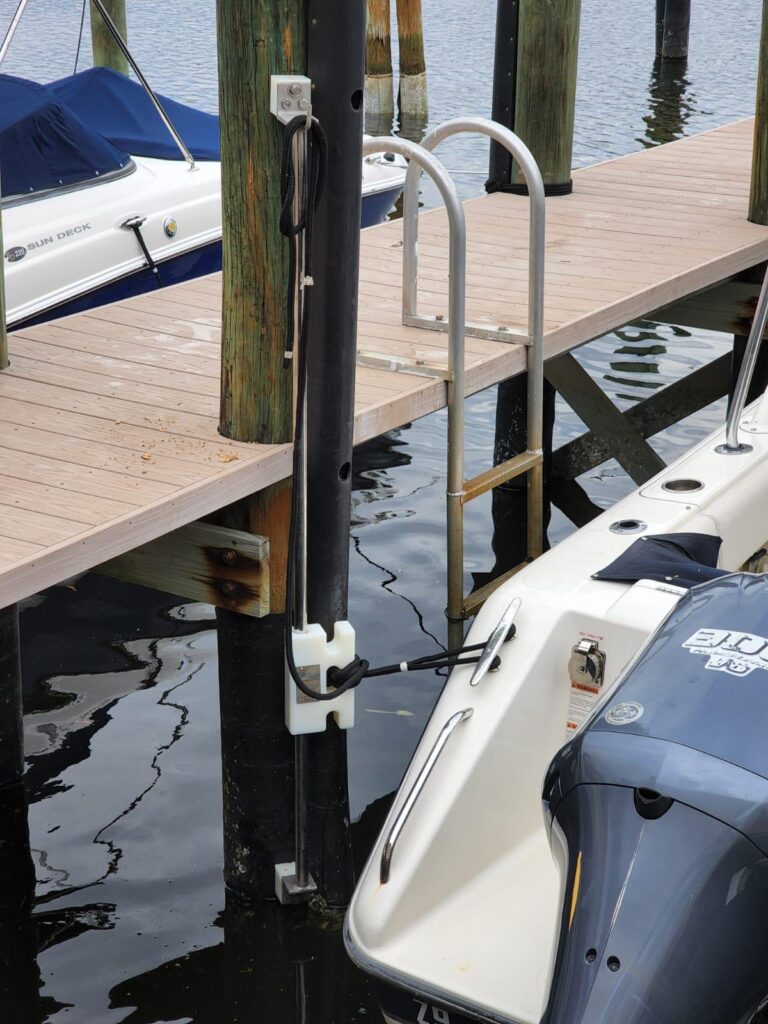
[(109, 418)]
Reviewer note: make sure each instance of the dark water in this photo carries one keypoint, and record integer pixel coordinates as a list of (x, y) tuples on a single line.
[(120, 685)]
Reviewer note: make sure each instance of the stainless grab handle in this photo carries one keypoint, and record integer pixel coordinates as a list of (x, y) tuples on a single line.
[(746, 373), (415, 791)]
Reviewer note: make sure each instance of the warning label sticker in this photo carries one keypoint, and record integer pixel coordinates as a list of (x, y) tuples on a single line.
[(583, 698)]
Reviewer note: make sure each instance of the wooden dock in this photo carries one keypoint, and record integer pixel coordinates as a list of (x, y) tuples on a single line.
[(110, 418)]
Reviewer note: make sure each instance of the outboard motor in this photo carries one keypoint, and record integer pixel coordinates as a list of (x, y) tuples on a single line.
[(659, 809)]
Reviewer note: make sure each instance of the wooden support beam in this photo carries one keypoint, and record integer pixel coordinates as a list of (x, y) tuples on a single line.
[(676, 29), (573, 501), (412, 95), (223, 567), (256, 39), (686, 396), (379, 87), (728, 307), (545, 101), (598, 412), (106, 52)]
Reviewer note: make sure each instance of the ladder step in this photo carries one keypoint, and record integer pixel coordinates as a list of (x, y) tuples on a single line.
[(508, 470), (474, 600)]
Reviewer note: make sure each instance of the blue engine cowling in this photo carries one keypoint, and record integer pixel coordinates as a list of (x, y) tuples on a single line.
[(661, 806)]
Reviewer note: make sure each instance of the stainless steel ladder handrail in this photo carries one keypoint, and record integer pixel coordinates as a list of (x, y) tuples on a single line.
[(531, 461), (736, 408), (414, 792), (455, 382)]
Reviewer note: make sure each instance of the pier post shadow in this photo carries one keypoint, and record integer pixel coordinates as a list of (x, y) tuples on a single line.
[(19, 975), (509, 501)]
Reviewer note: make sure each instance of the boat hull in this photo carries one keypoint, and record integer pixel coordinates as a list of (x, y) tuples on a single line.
[(467, 917), (85, 270)]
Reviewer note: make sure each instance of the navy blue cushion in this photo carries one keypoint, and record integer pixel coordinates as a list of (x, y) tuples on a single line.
[(684, 559)]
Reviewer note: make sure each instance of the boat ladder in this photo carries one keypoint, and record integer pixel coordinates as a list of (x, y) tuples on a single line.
[(530, 462)]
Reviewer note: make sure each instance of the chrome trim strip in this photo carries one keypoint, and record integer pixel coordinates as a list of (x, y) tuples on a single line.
[(413, 794), (8, 202)]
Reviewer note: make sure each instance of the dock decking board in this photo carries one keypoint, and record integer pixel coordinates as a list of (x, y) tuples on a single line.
[(109, 418)]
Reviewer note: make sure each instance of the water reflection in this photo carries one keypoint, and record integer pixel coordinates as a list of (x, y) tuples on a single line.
[(270, 966), (670, 102), (268, 963)]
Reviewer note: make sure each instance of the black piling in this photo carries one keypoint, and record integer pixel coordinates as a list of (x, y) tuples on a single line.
[(504, 90), (11, 726), (20, 977), (257, 753), (673, 24), (509, 508), (336, 66)]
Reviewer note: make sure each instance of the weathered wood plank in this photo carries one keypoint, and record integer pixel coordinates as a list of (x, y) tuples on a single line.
[(223, 567), (728, 307)]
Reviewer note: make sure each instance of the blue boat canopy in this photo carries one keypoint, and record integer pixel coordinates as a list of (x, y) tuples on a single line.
[(45, 145), (120, 110)]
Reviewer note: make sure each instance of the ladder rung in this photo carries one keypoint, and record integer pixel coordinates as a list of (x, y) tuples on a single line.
[(491, 478), (473, 601)]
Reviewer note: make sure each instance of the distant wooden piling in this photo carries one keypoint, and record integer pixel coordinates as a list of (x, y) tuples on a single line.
[(673, 24), (412, 94), (106, 52), (256, 39), (547, 57), (758, 195), (379, 80), (660, 7)]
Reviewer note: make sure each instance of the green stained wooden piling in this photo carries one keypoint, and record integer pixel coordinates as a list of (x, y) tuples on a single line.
[(548, 45), (256, 40), (106, 52), (412, 95), (758, 195), (379, 98)]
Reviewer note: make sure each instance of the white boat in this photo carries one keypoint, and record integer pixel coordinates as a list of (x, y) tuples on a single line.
[(98, 203), (481, 899)]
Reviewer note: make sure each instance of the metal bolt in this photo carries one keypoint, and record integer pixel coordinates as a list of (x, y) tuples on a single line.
[(440, 316), (228, 588), (229, 557), (295, 89), (286, 104)]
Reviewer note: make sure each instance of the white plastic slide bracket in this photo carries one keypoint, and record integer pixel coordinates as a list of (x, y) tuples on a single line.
[(314, 654), (290, 96)]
